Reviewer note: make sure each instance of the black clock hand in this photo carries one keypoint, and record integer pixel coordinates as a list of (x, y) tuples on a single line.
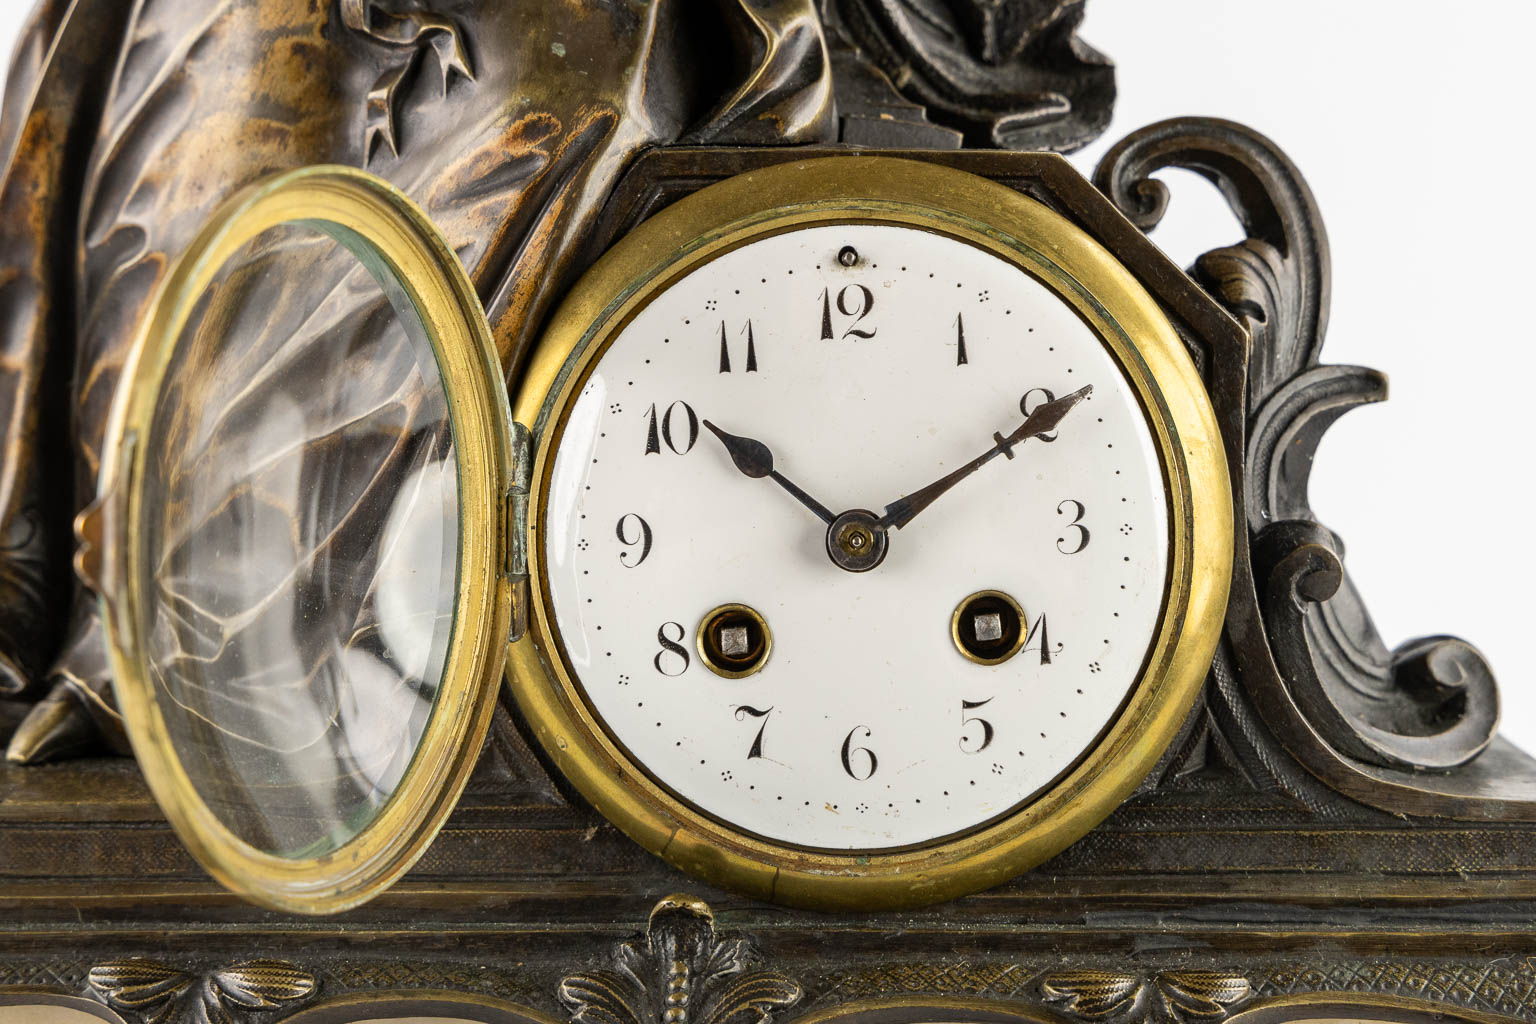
[(1042, 421), (754, 459)]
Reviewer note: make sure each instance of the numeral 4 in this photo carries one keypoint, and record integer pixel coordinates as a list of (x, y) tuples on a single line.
[(1039, 639)]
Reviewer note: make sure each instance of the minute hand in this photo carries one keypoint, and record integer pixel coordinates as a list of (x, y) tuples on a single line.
[(1042, 421)]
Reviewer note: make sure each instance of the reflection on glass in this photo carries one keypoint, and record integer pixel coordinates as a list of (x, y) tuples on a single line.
[(300, 543)]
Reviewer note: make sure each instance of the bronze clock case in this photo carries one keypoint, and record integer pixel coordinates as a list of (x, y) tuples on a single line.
[(1288, 858), (1021, 231)]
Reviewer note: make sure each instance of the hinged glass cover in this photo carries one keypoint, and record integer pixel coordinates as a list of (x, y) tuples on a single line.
[(305, 567)]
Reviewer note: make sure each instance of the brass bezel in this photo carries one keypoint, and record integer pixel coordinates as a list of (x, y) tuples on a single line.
[(954, 627), (726, 215), (377, 223)]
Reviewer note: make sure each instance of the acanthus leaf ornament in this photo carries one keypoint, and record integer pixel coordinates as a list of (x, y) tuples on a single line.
[(679, 973), (1091, 994), (151, 992), (1206, 995), (1312, 663), (1164, 997)]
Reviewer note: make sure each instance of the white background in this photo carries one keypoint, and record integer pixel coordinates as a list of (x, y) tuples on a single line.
[(1411, 126)]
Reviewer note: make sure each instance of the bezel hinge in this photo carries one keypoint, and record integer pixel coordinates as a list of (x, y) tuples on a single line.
[(517, 528)]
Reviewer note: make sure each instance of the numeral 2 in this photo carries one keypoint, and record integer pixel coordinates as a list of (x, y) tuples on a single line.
[(1034, 398)]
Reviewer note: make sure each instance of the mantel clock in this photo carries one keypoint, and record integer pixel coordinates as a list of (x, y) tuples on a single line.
[(515, 506)]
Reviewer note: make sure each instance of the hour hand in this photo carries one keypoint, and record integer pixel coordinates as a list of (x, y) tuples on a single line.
[(754, 459)]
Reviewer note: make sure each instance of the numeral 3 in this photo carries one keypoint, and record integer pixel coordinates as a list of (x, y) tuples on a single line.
[(1080, 541)]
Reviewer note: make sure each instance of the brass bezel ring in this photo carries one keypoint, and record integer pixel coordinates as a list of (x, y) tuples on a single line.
[(725, 671), (863, 190), (954, 627), (388, 233)]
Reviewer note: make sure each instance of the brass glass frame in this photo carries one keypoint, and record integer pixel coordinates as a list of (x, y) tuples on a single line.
[(1015, 228), (387, 233)]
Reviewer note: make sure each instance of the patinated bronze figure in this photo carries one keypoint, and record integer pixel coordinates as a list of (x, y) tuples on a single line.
[(1334, 828)]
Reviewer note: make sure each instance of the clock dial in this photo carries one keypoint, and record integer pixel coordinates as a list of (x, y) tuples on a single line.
[(856, 537)]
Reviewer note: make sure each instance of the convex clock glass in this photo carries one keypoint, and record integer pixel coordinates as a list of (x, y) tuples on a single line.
[(923, 670)]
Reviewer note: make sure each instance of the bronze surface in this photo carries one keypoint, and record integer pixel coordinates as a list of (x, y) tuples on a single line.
[(1272, 867)]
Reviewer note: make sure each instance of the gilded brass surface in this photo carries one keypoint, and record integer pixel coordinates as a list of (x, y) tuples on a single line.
[(1017, 229), (378, 224)]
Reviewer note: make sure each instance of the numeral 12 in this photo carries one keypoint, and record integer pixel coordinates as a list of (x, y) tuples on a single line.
[(853, 300)]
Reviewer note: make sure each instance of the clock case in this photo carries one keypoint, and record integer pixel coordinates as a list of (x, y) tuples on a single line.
[(729, 214), (1335, 830)]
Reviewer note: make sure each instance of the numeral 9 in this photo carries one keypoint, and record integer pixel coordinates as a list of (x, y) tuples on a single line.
[(644, 540)]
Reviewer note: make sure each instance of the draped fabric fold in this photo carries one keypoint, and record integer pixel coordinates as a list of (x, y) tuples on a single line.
[(508, 123)]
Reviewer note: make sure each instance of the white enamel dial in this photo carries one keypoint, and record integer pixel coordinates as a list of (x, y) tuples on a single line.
[(866, 728)]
